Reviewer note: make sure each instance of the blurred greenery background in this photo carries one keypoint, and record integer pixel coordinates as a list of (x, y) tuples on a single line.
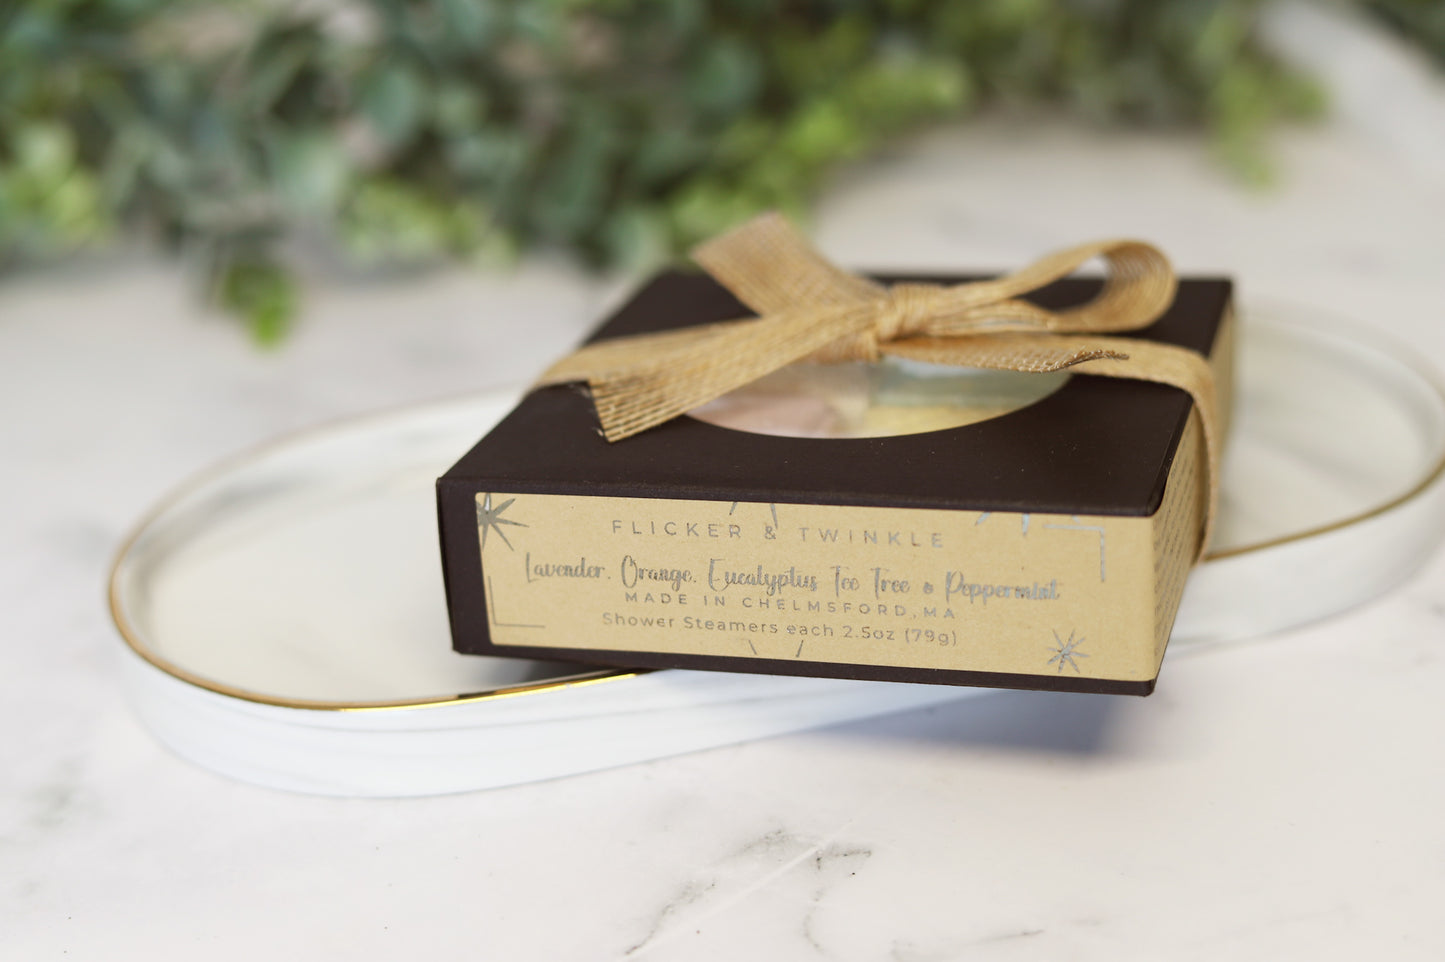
[(400, 132)]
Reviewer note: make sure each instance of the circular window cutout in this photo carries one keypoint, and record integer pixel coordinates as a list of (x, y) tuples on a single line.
[(885, 399)]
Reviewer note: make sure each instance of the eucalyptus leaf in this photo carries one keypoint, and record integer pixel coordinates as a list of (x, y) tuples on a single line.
[(393, 98), (261, 292), (725, 77), (311, 170), (470, 22)]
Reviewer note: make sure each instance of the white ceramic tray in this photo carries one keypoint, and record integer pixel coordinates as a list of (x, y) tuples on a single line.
[(285, 624)]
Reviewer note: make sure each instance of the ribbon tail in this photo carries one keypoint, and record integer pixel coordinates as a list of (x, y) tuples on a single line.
[(641, 382), (1112, 357), (620, 355), (1190, 372)]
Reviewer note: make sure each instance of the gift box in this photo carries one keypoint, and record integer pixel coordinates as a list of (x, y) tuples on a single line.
[(1045, 547)]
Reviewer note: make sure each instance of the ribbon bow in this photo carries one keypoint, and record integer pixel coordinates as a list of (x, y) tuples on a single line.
[(811, 310)]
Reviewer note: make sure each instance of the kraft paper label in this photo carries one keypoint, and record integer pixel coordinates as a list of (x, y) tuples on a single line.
[(1021, 593)]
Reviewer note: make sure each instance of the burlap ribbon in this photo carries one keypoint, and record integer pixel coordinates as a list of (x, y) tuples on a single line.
[(812, 310)]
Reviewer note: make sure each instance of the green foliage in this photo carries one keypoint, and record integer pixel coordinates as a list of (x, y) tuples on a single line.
[(622, 130), (259, 290)]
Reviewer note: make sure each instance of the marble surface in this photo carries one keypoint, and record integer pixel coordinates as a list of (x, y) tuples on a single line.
[(1274, 799)]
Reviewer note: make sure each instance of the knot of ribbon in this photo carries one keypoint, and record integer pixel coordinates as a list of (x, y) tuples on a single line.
[(811, 310)]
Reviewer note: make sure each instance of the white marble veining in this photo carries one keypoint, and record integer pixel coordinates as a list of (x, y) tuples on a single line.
[(1276, 799)]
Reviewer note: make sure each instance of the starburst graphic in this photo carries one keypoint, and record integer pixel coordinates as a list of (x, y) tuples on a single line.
[(988, 514), (772, 507), (490, 519), (1066, 652)]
